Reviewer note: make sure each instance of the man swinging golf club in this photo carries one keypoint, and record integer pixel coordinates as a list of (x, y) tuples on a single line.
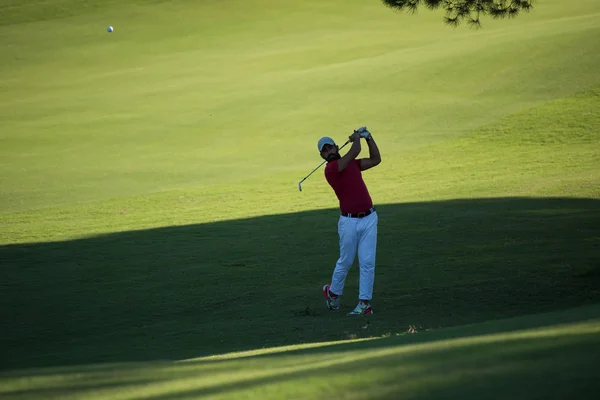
[(357, 224)]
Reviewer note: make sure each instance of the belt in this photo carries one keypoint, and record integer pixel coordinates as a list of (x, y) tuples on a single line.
[(359, 215)]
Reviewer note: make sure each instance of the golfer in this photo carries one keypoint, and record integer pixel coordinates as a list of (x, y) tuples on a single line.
[(357, 225)]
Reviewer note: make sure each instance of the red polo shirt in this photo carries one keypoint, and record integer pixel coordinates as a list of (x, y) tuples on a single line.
[(349, 187)]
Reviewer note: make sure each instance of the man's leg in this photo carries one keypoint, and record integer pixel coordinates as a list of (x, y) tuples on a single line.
[(348, 241), (367, 249)]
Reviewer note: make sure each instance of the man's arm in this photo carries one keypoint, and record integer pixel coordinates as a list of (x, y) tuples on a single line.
[(352, 153), (374, 156)]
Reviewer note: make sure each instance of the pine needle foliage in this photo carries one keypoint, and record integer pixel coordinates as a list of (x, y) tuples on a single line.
[(469, 11)]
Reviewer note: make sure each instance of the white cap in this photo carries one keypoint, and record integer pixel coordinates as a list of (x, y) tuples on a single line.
[(323, 141)]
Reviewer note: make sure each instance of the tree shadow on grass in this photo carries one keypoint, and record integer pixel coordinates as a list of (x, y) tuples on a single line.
[(457, 363), (182, 292), (473, 371), (470, 371)]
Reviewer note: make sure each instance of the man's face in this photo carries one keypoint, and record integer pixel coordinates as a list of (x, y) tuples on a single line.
[(330, 153)]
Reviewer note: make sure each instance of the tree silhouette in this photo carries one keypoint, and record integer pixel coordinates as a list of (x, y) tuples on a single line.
[(469, 10)]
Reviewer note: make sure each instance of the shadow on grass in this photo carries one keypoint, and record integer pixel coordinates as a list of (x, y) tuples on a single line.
[(474, 371), (182, 292), (556, 361)]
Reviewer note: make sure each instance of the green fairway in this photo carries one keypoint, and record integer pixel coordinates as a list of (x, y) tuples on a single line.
[(172, 97), (536, 356), (151, 226)]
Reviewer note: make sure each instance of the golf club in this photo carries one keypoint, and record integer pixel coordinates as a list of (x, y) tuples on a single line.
[(359, 130), (300, 183)]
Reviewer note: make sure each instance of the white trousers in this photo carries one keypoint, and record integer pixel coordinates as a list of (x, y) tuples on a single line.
[(356, 234)]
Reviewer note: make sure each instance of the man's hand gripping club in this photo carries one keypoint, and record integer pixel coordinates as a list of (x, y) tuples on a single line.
[(353, 152)]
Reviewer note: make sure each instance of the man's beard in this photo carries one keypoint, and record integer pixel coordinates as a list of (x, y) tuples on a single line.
[(333, 157)]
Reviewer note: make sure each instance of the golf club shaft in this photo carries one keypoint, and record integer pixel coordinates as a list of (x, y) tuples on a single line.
[(324, 161)]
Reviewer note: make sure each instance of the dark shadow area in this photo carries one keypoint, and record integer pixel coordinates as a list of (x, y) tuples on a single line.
[(470, 371), (69, 387), (182, 292), (539, 365)]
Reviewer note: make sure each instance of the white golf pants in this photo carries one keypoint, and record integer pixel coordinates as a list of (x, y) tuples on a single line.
[(356, 234)]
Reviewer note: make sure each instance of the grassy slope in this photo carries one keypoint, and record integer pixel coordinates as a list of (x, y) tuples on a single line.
[(90, 116), (542, 356), (158, 294), (147, 294)]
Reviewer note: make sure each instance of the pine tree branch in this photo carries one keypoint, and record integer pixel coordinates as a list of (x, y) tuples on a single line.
[(469, 10)]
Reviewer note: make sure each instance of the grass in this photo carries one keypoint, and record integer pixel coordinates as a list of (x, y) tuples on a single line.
[(147, 110), (448, 363), (151, 228)]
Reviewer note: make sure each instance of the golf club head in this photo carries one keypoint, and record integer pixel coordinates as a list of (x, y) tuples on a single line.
[(300, 186)]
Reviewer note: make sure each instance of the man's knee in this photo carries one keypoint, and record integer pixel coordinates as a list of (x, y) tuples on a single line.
[(344, 263), (367, 265)]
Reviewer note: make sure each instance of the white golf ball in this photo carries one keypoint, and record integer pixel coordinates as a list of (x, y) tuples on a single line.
[(110, 29)]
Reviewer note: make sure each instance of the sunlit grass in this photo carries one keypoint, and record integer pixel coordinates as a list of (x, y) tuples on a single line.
[(154, 244)]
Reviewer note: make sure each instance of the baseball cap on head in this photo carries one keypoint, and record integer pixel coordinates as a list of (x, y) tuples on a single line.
[(323, 141)]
